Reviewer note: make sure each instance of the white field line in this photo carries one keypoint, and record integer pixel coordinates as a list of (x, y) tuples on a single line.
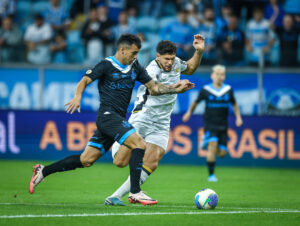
[(141, 206), (143, 214)]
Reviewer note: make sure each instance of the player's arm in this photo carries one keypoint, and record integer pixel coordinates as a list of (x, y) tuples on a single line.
[(236, 110), (187, 115), (194, 62), (156, 88), (75, 102)]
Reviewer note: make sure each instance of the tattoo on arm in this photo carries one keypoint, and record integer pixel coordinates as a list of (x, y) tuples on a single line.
[(163, 89)]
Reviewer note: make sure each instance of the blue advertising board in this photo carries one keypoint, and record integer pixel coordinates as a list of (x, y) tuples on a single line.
[(23, 89), (282, 96), (52, 135)]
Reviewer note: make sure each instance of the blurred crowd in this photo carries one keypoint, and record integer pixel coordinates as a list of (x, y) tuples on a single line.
[(237, 32)]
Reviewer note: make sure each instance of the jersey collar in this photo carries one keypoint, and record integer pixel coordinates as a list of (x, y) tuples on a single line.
[(123, 66)]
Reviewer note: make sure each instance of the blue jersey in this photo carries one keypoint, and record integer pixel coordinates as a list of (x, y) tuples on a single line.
[(115, 83), (217, 105)]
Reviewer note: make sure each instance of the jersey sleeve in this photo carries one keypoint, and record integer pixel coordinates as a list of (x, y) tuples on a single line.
[(153, 71), (97, 72), (231, 97), (142, 75), (201, 96), (183, 65)]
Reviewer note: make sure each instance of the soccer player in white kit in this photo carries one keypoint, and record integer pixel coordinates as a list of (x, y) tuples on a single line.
[(151, 114)]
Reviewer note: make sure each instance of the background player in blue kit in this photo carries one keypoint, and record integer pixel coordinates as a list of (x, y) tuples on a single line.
[(217, 96), (116, 77)]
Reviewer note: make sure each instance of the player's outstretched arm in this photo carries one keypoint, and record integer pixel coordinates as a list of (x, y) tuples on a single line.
[(75, 102), (195, 61), (187, 115), (157, 88), (236, 110)]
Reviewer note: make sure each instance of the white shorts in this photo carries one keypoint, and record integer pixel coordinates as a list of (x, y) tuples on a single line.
[(151, 132)]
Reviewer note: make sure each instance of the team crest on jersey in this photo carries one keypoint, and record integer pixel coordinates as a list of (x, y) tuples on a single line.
[(126, 124), (133, 75), (88, 72), (177, 69)]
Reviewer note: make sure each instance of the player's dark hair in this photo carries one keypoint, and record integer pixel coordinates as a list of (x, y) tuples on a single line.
[(166, 47), (129, 39), (234, 15), (38, 16), (184, 11), (258, 9)]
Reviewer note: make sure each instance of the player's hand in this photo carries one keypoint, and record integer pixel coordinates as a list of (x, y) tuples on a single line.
[(249, 48), (186, 117), (198, 42), (184, 85), (266, 49), (73, 105), (238, 122)]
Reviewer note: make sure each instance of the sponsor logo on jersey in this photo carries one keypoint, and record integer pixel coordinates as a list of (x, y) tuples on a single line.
[(116, 85), (88, 72)]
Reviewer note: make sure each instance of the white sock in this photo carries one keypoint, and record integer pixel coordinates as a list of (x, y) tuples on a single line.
[(144, 176), (125, 187)]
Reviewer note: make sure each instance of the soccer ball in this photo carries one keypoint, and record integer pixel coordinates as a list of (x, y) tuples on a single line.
[(206, 199)]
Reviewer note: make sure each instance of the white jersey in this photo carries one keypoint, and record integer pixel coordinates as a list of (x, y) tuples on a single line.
[(158, 108)]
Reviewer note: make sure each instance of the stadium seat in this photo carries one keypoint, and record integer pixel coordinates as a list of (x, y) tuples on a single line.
[(146, 24), (39, 6), (75, 48), (274, 53), (24, 17), (169, 9), (299, 49), (23, 6), (153, 39), (164, 21), (73, 37), (67, 4)]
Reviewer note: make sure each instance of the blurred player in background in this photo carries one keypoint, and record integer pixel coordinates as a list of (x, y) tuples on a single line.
[(217, 96), (117, 75), (151, 115)]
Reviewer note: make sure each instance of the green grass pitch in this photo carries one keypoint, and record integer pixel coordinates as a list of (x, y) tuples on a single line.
[(247, 196)]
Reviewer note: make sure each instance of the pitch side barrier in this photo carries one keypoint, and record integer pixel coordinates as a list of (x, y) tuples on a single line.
[(51, 135), (273, 92)]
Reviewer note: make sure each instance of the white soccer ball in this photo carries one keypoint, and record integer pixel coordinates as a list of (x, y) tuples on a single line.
[(206, 199)]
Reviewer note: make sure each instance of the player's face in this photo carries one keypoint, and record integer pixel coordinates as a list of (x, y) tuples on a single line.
[(258, 15), (218, 77), (166, 61), (130, 54)]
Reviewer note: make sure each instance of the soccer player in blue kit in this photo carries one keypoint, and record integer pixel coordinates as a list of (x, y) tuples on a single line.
[(217, 97), (116, 76)]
